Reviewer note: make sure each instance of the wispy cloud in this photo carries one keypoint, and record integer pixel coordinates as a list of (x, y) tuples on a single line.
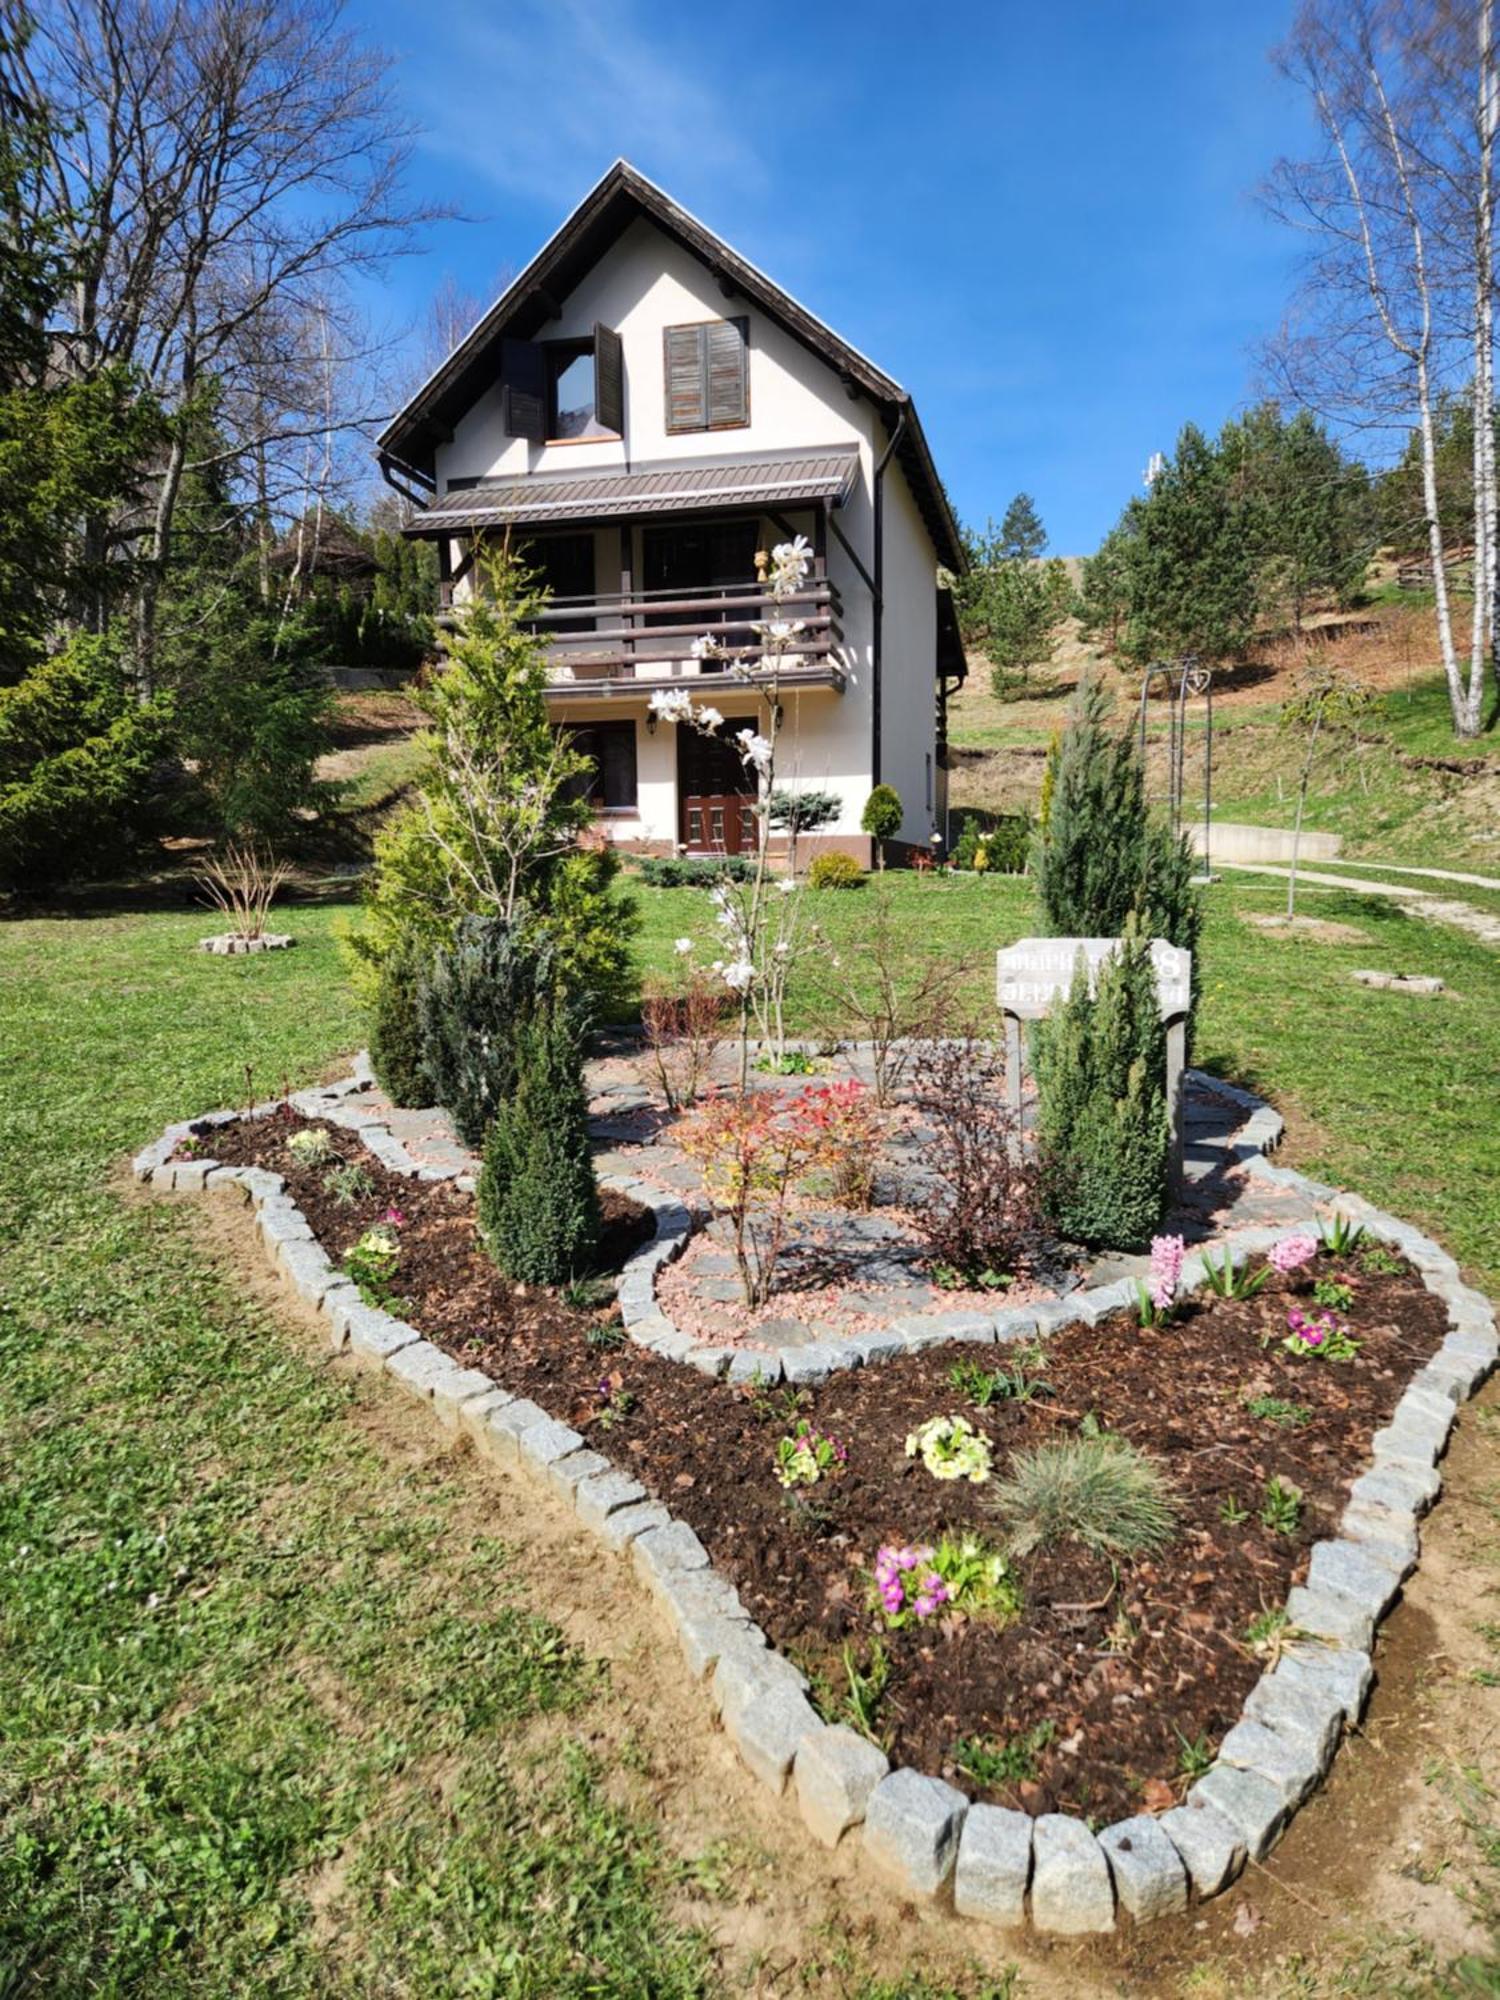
[(537, 99)]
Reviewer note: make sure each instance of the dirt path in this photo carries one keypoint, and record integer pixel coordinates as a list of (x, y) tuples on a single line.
[(1437, 909)]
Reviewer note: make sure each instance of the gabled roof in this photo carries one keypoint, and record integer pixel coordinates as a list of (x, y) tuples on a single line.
[(410, 440)]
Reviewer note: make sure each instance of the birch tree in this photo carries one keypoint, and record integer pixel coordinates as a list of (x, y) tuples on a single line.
[(1397, 301)]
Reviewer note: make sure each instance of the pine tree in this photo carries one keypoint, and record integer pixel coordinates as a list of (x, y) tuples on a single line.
[(1022, 536), (538, 1201), (1192, 562), (1102, 1128)]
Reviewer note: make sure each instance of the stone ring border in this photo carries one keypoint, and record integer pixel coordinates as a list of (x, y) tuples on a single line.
[(921, 1834)]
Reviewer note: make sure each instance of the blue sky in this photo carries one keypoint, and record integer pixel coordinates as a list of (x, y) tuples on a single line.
[(1040, 219)]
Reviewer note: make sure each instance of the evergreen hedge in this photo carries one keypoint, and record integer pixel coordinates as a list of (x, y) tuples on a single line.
[(1102, 1131), (538, 1202), (395, 1023), (474, 1002)]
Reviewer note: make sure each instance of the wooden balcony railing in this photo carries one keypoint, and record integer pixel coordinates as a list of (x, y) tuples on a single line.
[(649, 635)]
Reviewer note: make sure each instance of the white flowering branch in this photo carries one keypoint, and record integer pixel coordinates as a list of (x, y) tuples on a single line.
[(760, 933)]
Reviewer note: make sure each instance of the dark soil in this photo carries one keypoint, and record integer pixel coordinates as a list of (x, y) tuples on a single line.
[(1118, 1672)]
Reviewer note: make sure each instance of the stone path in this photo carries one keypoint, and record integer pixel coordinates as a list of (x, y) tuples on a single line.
[(1437, 909), (849, 1281)]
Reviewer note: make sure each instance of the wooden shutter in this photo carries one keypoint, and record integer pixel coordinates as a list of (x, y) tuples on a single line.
[(609, 380), (708, 375), (728, 347), (523, 378), (687, 383)]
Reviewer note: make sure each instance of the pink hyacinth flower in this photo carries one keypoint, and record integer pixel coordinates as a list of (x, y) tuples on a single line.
[(1291, 1253), (1167, 1256)]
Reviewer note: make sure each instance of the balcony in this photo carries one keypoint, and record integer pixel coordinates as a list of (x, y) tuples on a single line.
[(619, 642)]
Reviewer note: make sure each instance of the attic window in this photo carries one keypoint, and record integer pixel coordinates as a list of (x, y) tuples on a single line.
[(564, 390), (707, 375)]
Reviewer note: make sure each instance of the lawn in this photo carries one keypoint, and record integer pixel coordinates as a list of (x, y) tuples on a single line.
[(237, 1645), (268, 1695)]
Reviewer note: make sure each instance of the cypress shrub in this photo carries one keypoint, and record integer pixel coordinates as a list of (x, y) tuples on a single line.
[(1099, 856), (475, 1000), (538, 1203), (1102, 1130), (395, 1029)]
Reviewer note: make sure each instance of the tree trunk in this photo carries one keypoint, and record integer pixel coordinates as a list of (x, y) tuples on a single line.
[(148, 597), (1307, 764)]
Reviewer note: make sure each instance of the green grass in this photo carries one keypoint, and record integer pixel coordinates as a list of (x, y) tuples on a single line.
[(263, 1695)]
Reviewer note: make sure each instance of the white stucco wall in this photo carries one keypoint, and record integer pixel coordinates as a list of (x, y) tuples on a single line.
[(644, 283)]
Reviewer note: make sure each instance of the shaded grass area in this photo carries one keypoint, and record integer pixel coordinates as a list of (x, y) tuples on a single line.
[(1391, 1094), (263, 1696)]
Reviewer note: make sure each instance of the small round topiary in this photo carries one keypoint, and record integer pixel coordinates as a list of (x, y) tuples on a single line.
[(835, 871)]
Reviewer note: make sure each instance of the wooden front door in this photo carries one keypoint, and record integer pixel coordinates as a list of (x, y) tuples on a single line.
[(715, 801)]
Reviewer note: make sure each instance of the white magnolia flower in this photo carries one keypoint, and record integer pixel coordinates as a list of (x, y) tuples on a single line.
[(783, 948), (754, 749), (781, 631), (706, 647), (790, 562), (737, 977), (672, 704), (786, 885), (709, 719), (682, 947)]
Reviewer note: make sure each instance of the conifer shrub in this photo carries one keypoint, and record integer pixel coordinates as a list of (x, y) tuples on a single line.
[(538, 1202), (1099, 856), (395, 1030), (1102, 1131), (476, 999)]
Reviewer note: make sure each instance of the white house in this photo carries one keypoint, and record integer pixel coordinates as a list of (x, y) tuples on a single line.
[(644, 410)]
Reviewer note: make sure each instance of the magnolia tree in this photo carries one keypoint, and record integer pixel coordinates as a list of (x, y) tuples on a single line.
[(759, 920)]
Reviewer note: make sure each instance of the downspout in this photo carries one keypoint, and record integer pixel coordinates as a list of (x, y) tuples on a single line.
[(877, 595)]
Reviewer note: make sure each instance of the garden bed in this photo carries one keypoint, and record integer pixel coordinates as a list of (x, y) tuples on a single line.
[(1111, 1686)]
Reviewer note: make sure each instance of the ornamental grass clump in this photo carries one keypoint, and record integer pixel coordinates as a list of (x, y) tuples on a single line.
[(951, 1448), (537, 1200), (1099, 1492)]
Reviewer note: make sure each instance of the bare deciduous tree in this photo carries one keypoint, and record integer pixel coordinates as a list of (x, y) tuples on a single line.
[(225, 169)]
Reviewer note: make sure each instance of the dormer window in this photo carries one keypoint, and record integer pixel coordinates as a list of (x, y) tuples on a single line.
[(564, 391)]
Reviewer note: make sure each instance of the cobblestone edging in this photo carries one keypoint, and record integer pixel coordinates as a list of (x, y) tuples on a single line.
[(984, 1862)]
